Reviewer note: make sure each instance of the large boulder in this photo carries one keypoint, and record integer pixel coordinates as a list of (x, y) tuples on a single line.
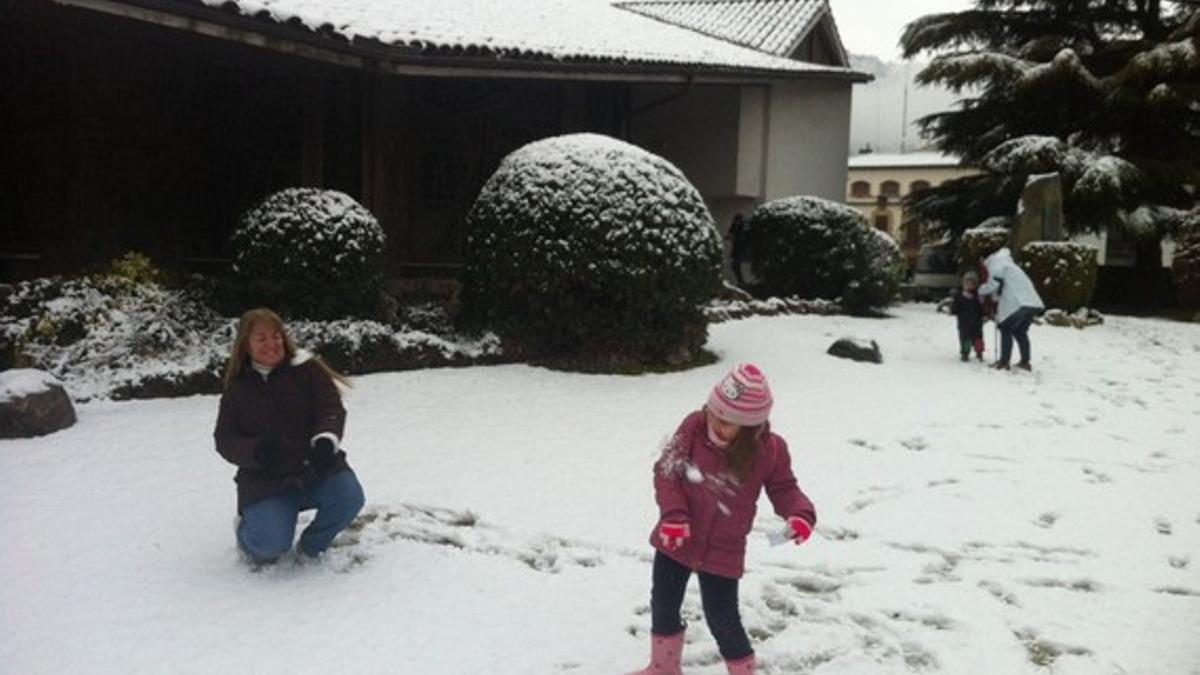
[(33, 403)]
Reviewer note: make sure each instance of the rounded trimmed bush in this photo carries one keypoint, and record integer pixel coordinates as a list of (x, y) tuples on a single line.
[(586, 245), (979, 242), (310, 253), (1185, 269), (815, 248), (880, 267), (1063, 272)]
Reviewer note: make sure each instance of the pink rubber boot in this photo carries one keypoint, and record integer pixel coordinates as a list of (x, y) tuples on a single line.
[(744, 666), (665, 653)]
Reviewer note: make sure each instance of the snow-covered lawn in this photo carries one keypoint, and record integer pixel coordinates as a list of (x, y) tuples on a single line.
[(971, 521)]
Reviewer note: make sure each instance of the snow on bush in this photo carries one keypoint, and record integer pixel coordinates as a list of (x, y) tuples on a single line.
[(107, 337), (1185, 270), (880, 267), (728, 310), (979, 242), (362, 346), (1063, 272), (583, 244), (310, 253), (815, 248), (1029, 154)]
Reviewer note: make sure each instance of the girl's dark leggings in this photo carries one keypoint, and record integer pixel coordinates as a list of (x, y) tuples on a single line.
[(719, 596)]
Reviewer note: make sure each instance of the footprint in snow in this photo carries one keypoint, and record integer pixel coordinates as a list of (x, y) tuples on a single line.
[(1047, 520), (837, 533), (1000, 593), (1177, 590), (1044, 653), (865, 444), (1162, 526), (934, 621), (1078, 585)]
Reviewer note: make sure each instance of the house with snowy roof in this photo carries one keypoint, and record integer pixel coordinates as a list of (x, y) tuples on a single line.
[(878, 183), (152, 125)]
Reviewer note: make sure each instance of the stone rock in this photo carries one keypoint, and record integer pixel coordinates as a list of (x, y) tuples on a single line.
[(1039, 212), (1056, 317), (856, 349), (1080, 318), (33, 403)]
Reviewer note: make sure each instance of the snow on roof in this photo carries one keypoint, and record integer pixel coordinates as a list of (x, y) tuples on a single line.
[(772, 26), (557, 30), (879, 160)]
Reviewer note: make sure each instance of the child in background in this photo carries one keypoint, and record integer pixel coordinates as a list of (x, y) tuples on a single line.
[(707, 484), (969, 309)]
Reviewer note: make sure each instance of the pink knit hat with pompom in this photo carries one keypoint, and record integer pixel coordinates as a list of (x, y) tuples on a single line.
[(742, 396)]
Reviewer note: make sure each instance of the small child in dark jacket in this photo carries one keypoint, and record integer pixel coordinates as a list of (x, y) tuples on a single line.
[(969, 310)]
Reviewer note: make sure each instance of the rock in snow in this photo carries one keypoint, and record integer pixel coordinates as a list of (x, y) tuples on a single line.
[(856, 349), (33, 403)]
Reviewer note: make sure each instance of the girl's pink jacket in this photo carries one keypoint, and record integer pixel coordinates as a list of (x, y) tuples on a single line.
[(693, 484)]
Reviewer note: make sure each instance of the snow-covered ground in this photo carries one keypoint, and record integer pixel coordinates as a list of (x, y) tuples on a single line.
[(971, 521)]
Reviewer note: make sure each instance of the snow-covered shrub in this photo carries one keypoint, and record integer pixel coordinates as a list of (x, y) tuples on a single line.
[(979, 242), (309, 253), (104, 335), (880, 267), (815, 248), (107, 337), (586, 246), (1185, 270), (1063, 272)]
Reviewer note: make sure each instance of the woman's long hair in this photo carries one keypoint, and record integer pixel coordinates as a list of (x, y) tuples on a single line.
[(240, 353), (742, 450)]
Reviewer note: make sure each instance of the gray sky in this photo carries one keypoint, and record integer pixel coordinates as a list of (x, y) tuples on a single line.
[(873, 27), (884, 112)]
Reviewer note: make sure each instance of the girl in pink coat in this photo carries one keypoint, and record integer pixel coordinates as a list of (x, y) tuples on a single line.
[(707, 483)]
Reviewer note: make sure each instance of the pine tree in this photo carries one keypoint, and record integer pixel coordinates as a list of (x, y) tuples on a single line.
[(1105, 92)]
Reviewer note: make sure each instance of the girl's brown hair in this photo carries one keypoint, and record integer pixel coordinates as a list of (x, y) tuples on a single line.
[(240, 353), (742, 450)]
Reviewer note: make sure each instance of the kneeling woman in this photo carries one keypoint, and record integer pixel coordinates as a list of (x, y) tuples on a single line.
[(280, 422)]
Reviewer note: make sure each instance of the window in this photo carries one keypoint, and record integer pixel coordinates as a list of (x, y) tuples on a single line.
[(918, 185), (860, 188), (882, 222), (890, 188)]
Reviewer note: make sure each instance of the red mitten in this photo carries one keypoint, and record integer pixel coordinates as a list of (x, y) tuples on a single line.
[(801, 530), (673, 535)]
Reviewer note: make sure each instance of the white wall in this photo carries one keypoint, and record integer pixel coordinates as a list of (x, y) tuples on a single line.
[(742, 145), (808, 126)]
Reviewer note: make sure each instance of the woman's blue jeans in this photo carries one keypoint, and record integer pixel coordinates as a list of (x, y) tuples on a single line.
[(269, 525)]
